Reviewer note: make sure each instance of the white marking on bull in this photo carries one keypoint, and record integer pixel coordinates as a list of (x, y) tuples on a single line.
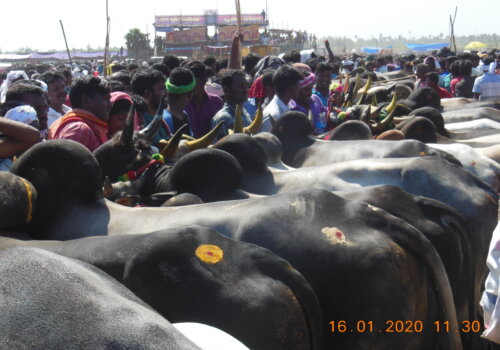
[(334, 235)]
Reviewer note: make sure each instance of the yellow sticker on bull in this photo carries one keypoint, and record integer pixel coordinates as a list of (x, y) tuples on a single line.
[(208, 253)]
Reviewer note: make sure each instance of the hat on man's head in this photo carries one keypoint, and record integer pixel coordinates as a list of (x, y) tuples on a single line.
[(347, 63)]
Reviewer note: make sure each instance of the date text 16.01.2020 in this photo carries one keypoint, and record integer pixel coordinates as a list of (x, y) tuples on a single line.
[(399, 326)]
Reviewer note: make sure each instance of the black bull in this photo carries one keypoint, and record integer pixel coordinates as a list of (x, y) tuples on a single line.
[(53, 302), (194, 274), (363, 264), (105, 218)]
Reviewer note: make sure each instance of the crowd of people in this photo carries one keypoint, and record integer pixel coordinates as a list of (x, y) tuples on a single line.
[(89, 108), (288, 38)]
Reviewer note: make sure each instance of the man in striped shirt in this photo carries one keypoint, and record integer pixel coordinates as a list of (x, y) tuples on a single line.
[(487, 86)]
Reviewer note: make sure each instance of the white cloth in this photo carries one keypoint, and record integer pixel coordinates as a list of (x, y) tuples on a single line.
[(53, 115), (275, 109), (305, 55), (11, 76), (23, 114), (489, 303)]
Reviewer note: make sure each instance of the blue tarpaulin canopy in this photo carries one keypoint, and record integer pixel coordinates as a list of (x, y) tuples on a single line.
[(425, 47), (374, 50), (370, 50)]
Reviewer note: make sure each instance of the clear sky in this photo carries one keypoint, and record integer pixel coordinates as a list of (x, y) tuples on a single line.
[(35, 23)]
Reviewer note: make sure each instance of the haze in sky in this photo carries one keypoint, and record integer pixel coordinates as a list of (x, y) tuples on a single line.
[(35, 24)]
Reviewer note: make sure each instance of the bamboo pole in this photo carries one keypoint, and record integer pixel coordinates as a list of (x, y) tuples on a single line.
[(66, 43), (106, 44), (453, 29)]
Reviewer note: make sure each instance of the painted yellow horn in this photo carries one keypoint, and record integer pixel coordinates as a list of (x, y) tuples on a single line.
[(357, 85), (238, 119), (205, 140), (388, 119), (368, 85), (392, 105), (173, 144), (380, 125), (346, 85), (254, 127)]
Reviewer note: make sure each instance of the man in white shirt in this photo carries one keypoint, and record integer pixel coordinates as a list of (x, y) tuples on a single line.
[(57, 96), (286, 85)]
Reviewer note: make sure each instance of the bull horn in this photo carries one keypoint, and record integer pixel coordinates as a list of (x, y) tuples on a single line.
[(392, 105), (374, 100), (128, 128), (254, 127), (362, 99), (382, 124), (389, 118), (398, 120), (375, 113), (357, 85), (310, 116), (173, 144), (365, 117), (204, 141), (150, 131), (346, 86), (364, 90), (368, 85), (238, 120), (188, 137)]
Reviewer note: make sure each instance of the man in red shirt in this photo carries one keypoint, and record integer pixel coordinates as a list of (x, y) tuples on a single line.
[(87, 122), (432, 80)]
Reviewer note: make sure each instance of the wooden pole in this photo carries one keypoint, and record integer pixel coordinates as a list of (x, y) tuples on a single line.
[(238, 15), (106, 44), (238, 19), (66, 43), (453, 28)]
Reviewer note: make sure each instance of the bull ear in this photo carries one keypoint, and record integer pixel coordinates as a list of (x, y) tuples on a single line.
[(128, 128), (109, 191), (204, 141), (171, 147), (150, 131), (391, 88), (272, 120)]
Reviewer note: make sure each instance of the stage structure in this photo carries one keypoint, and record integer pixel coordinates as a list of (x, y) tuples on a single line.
[(187, 35)]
